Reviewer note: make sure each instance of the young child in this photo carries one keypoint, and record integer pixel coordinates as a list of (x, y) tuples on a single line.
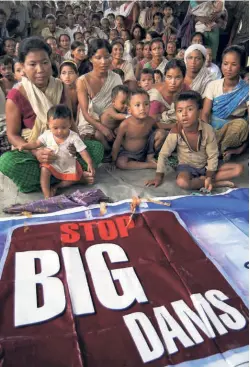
[(17, 70), (136, 143), (146, 80), (114, 115), (197, 150), (68, 75), (158, 76), (6, 67), (58, 138), (213, 68)]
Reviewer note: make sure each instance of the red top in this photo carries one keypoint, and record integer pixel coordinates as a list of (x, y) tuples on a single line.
[(28, 116)]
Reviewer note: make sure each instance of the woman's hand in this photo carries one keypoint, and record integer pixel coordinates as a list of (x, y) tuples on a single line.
[(109, 135), (44, 155)]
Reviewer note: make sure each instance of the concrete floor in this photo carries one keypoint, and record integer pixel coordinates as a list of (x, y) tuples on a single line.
[(118, 185)]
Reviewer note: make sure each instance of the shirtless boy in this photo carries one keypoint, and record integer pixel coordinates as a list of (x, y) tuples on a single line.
[(136, 142), (197, 150), (114, 114)]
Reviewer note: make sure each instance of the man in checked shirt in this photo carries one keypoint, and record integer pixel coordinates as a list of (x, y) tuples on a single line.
[(197, 150)]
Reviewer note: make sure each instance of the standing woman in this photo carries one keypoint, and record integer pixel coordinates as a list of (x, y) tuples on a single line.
[(26, 117), (125, 66), (197, 75), (80, 59), (130, 10), (226, 104), (158, 60), (94, 90)]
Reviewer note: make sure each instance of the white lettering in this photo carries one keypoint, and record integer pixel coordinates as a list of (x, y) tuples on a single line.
[(26, 280), (188, 317), (236, 321), (156, 348), (103, 279), (77, 282), (204, 309), (170, 329)]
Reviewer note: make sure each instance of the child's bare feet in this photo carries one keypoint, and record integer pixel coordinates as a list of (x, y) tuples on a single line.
[(87, 178)]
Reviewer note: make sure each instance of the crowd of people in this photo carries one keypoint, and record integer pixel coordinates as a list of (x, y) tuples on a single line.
[(137, 84)]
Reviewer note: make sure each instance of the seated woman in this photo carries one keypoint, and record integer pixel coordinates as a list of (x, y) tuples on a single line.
[(94, 90), (118, 62), (226, 104), (197, 75), (162, 95), (157, 51), (26, 117)]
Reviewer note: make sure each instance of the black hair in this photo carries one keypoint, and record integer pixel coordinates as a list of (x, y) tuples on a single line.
[(139, 43), (75, 45), (32, 44), (153, 34), (12, 24), (2, 12), (61, 15), (198, 34), (114, 29), (119, 72), (159, 73), (74, 35), (119, 88), (141, 29), (158, 14), (155, 40), (15, 61), (166, 5), (111, 14), (147, 71), (6, 60), (63, 34), (54, 70), (136, 92), (76, 6), (69, 63), (116, 42), (238, 50), (146, 43), (176, 64), (95, 16), (98, 44), (190, 95), (59, 111), (8, 39)]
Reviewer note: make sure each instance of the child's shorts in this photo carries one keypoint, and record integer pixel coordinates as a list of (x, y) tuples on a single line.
[(194, 172)]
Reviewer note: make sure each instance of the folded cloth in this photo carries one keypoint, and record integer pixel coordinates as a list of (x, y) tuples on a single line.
[(60, 202)]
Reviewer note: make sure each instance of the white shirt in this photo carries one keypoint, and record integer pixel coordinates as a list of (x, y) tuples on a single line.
[(65, 162)]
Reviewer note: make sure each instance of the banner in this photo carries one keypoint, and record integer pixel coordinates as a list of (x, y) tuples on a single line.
[(165, 286)]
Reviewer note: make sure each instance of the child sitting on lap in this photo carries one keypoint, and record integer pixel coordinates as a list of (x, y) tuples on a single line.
[(197, 150), (58, 138), (113, 115), (136, 142)]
